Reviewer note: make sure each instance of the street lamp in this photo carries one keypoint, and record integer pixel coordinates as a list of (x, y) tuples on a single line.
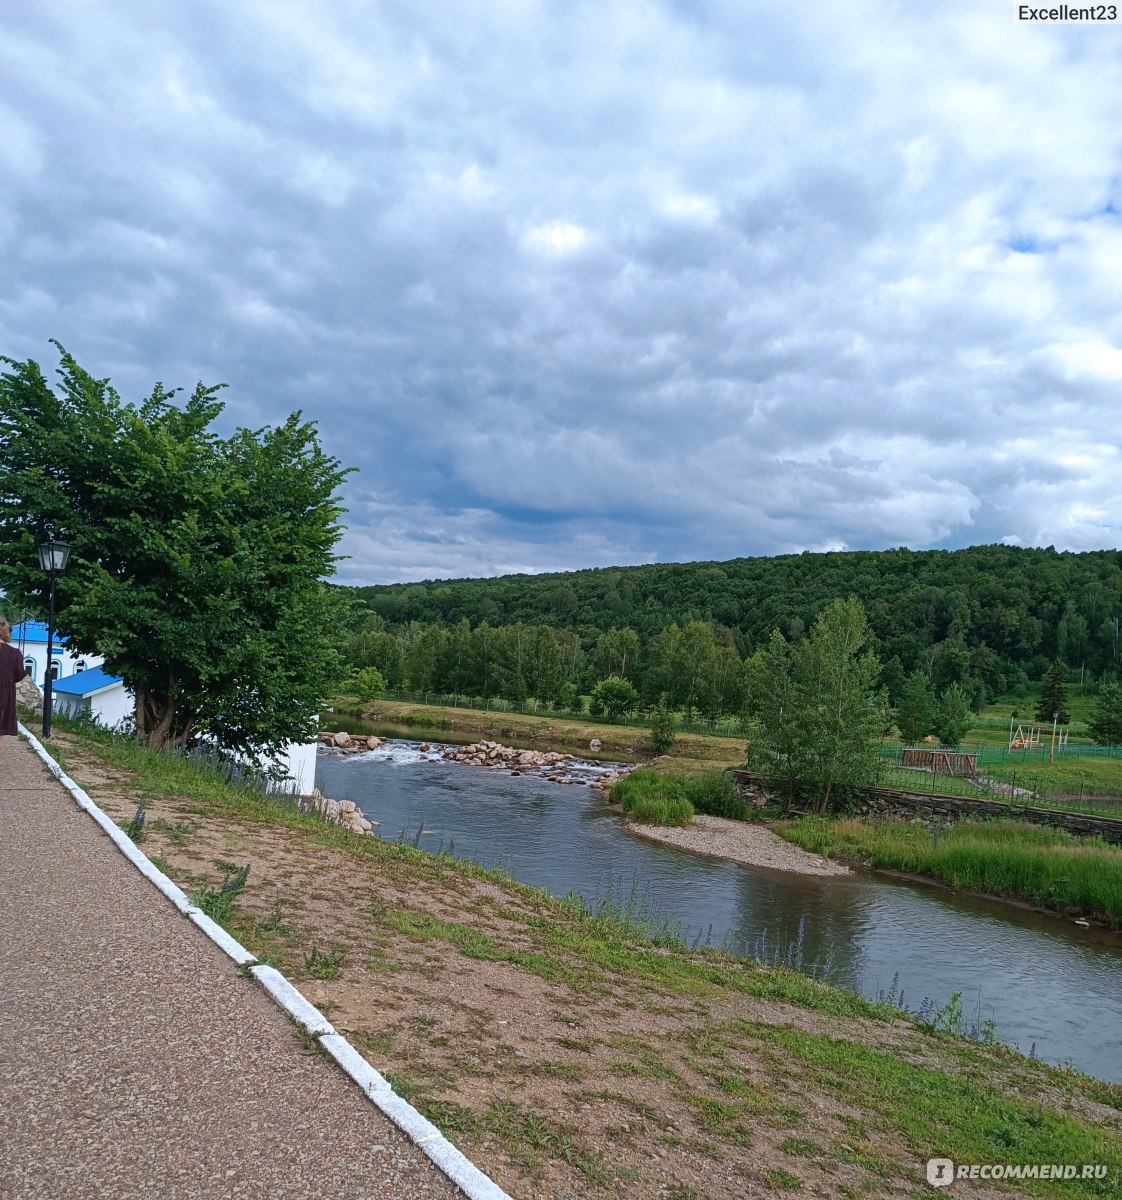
[(53, 557)]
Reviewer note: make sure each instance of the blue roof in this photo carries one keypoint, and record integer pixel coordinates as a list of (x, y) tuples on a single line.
[(86, 682), (34, 631)]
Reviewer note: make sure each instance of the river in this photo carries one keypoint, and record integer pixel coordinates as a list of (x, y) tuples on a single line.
[(1045, 982)]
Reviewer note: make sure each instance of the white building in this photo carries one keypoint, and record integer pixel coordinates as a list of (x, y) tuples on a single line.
[(93, 693), (30, 639)]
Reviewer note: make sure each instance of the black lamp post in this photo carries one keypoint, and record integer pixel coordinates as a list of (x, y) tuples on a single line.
[(53, 557)]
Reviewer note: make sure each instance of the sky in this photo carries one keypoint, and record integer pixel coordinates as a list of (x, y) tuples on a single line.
[(584, 284)]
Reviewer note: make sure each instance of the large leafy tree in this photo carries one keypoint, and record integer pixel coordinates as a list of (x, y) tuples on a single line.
[(615, 696), (198, 562)]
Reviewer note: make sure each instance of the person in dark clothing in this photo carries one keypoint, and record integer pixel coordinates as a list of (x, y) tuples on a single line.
[(12, 671)]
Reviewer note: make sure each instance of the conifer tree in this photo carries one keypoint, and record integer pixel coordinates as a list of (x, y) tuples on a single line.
[(1053, 699)]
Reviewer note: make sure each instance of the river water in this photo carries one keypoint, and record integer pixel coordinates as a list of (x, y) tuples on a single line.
[(1046, 982)]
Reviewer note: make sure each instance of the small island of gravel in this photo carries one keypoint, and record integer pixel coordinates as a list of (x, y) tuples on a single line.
[(752, 845)]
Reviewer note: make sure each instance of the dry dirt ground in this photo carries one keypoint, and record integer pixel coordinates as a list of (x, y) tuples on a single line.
[(563, 1066)]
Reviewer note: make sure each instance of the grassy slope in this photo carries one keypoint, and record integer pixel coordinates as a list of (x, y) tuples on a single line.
[(648, 1068)]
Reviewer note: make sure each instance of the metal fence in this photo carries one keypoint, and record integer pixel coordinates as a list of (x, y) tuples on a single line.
[(990, 755), (1027, 787)]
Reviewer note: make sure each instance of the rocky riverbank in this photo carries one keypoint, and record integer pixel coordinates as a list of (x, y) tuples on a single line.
[(339, 812), (554, 765)]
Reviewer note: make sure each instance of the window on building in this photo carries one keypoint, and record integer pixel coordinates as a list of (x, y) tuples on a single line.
[(56, 668), (29, 666), (80, 665)]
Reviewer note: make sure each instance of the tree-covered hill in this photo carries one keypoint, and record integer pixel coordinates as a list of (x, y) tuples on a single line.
[(1013, 610), (965, 624)]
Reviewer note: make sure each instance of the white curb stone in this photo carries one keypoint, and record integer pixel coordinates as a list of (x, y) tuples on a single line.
[(355, 1065), (420, 1131), (302, 1011), (219, 936)]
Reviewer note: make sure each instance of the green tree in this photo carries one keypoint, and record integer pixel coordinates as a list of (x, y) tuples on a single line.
[(950, 663), (1106, 721), (769, 688), (369, 684), (617, 653), (823, 738), (840, 711), (1053, 699), (545, 664), (615, 696), (198, 562), (664, 730), (953, 717), (916, 709), (424, 659)]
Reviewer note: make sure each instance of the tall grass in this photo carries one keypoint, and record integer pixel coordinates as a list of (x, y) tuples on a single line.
[(658, 798), (653, 799), (1034, 863)]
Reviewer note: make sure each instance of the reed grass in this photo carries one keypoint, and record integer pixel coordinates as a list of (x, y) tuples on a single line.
[(1033, 863)]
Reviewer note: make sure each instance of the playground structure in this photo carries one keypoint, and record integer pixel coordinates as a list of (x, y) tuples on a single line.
[(1030, 737)]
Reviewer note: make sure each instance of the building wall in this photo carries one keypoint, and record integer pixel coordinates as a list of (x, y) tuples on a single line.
[(299, 764), (108, 708), (68, 662), (112, 707)]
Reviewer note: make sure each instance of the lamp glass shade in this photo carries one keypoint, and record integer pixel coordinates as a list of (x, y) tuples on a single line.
[(53, 556)]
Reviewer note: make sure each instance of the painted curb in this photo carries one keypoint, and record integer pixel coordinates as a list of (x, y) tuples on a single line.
[(420, 1131), (302, 1011)]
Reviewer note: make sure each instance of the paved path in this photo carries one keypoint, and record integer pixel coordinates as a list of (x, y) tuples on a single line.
[(135, 1060)]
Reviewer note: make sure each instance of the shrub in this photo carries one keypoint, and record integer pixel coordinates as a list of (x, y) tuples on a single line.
[(369, 684), (614, 696), (715, 793), (663, 728)]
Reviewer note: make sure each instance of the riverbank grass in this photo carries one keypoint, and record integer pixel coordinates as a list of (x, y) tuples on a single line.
[(1010, 859), (667, 798)]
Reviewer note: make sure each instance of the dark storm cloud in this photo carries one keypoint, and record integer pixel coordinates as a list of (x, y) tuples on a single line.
[(573, 285)]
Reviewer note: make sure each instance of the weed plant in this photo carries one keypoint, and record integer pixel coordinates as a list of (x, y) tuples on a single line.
[(134, 827), (218, 903), (324, 964)]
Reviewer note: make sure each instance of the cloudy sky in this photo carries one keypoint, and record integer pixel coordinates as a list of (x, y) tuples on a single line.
[(576, 284)]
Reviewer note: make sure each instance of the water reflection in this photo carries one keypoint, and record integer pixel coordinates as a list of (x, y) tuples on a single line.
[(1040, 978)]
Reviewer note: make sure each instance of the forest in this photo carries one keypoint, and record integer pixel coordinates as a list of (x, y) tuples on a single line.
[(989, 619)]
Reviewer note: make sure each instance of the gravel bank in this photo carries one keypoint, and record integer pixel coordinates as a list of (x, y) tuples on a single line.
[(742, 842)]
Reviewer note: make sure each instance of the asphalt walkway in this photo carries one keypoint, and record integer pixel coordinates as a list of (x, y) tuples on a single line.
[(135, 1059)]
